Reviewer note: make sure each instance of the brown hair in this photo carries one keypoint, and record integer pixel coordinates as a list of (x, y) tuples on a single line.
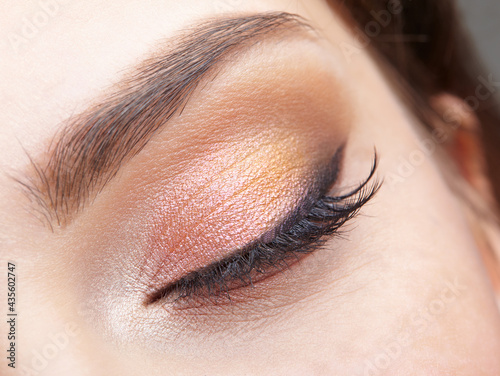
[(427, 47)]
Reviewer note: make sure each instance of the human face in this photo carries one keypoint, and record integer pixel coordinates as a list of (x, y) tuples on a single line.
[(159, 156)]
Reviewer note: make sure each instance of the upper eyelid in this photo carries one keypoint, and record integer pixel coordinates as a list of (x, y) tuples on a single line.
[(84, 159), (356, 198), (319, 179)]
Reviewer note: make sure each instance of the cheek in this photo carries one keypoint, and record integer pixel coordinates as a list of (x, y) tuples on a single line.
[(423, 303), (454, 320), (427, 302)]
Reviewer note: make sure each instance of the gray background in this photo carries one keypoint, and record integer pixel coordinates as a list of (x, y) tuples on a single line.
[(482, 18)]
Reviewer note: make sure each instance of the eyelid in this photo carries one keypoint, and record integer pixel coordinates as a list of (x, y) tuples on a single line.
[(263, 259)]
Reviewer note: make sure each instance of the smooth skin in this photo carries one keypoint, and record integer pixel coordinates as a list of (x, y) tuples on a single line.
[(403, 292)]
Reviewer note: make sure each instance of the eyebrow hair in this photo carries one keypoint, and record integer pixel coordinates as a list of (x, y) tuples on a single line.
[(92, 146)]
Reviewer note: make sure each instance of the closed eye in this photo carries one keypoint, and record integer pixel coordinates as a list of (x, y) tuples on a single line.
[(261, 259)]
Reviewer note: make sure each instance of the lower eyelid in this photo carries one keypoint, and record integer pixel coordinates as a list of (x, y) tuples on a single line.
[(237, 291)]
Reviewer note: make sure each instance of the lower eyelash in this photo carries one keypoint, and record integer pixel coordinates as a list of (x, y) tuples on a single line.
[(263, 259)]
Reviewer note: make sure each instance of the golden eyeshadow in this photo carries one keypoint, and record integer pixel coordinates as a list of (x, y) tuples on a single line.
[(222, 207)]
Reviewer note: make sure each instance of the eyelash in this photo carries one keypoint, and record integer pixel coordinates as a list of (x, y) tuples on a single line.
[(263, 259)]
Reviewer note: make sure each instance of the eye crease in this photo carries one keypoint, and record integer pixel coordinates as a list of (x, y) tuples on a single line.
[(318, 217)]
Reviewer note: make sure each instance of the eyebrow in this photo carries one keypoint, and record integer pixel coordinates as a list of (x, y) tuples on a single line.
[(92, 146)]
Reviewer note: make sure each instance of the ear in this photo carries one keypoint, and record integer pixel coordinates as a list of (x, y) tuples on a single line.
[(463, 141)]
